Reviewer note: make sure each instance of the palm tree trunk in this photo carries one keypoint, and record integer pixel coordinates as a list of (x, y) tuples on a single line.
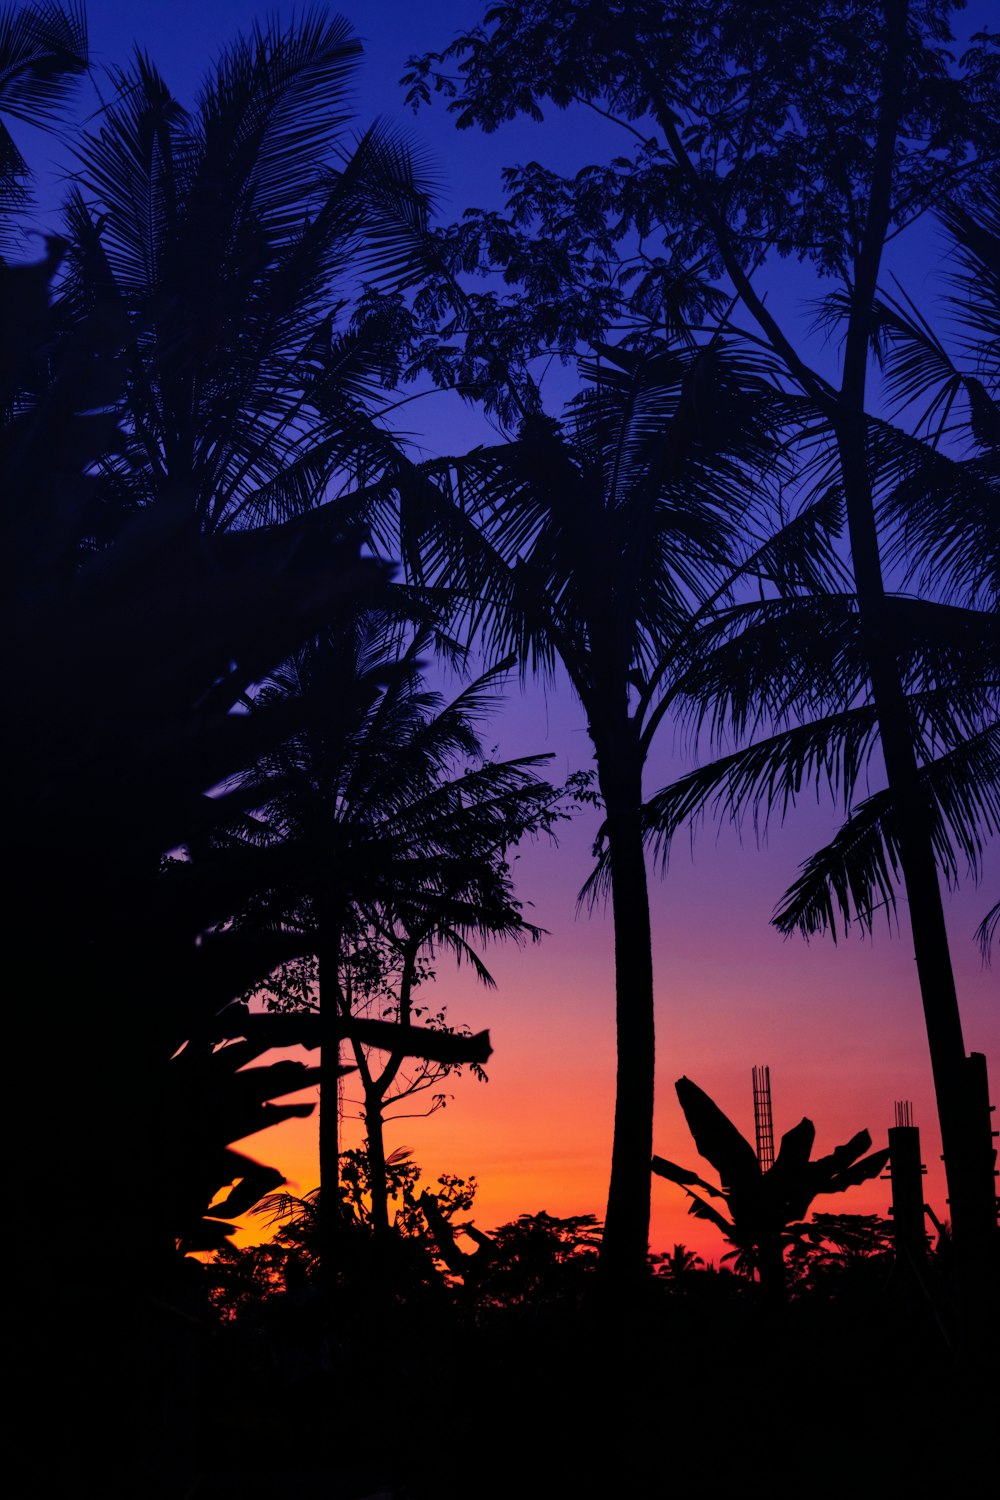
[(625, 1243), (971, 1191), (329, 1122), (971, 1194), (972, 1202)]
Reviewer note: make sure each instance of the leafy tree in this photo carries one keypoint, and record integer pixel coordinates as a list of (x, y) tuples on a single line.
[(532, 1261), (243, 1279), (406, 1265), (538, 1259), (838, 1251), (398, 1081), (819, 131), (765, 1207), (676, 1263)]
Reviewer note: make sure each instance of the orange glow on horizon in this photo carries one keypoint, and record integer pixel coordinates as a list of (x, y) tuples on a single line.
[(840, 1026)]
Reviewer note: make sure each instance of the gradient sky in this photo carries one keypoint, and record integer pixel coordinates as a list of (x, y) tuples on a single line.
[(840, 1026)]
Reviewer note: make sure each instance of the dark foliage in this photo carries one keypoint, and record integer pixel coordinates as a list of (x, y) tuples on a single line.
[(43, 52), (766, 1208), (142, 616)]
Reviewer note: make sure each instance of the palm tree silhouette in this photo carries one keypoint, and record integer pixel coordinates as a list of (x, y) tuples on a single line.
[(400, 827), (799, 670), (230, 238), (208, 256), (871, 212), (594, 544), (144, 449), (678, 1262)]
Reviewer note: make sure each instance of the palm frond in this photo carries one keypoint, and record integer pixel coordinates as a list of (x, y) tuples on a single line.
[(43, 51), (974, 227), (939, 509), (919, 370), (128, 167), (268, 118), (857, 872), (233, 236), (986, 932), (393, 187), (610, 528), (766, 662), (769, 777)]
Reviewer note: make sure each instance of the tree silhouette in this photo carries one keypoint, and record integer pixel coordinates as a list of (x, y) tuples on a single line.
[(128, 664), (401, 827), (231, 238), (142, 616), (677, 1263), (936, 487), (820, 133), (595, 543), (801, 670), (765, 1206)]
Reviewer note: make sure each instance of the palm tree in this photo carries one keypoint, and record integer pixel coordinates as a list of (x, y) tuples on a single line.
[(791, 677), (757, 146), (149, 457), (595, 544), (230, 240), (678, 1263), (128, 662), (400, 828), (795, 675), (875, 195), (212, 251)]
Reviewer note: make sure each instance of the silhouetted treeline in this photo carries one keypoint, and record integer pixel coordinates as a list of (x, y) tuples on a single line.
[(229, 780)]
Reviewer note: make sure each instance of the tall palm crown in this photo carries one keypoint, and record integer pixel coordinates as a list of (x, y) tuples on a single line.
[(400, 821), (230, 237), (594, 541)]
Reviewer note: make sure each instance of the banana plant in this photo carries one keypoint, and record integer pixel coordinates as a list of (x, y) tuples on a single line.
[(765, 1208)]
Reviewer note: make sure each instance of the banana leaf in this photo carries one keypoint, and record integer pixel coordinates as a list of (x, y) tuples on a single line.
[(682, 1176), (717, 1138)]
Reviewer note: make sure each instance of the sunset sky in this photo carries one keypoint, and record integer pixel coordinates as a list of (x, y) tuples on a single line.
[(839, 1025)]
